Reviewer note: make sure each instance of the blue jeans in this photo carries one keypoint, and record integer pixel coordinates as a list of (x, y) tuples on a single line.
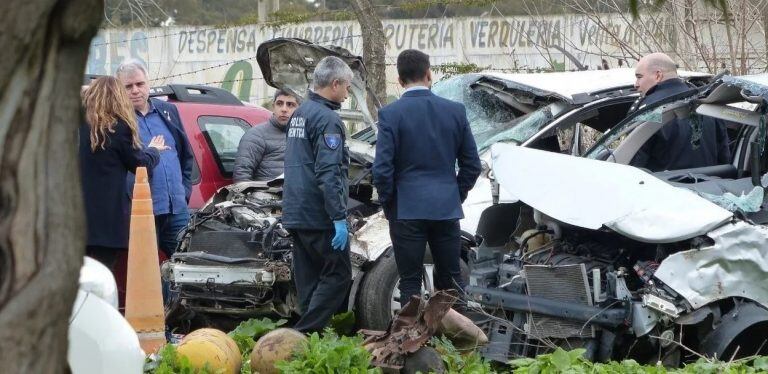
[(168, 227)]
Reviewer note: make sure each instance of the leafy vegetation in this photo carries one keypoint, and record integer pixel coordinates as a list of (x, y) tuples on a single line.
[(457, 68), (330, 353), (343, 323), (457, 362), (424, 4), (722, 5), (170, 362), (246, 333), (573, 362), (228, 13)]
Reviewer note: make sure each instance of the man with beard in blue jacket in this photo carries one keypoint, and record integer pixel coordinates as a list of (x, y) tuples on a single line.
[(677, 145), (315, 196)]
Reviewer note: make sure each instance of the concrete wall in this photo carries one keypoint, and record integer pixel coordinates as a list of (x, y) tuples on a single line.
[(226, 57)]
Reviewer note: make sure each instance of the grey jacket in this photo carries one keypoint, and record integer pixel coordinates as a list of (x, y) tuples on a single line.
[(260, 153)]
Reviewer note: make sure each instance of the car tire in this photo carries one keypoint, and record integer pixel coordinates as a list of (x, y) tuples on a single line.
[(375, 298)]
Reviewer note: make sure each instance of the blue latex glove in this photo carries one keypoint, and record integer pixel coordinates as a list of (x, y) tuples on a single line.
[(339, 241)]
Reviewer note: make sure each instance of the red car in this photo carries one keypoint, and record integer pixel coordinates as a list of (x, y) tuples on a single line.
[(214, 120)]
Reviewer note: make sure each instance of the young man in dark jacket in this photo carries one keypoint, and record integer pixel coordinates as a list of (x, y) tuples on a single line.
[(315, 196), (170, 180), (261, 150), (421, 139), (676, 145)]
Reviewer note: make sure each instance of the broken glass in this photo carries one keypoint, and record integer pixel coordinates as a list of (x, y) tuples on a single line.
[(613, 137), (748, 203), (754, 85), (490, 119), (654, 116)]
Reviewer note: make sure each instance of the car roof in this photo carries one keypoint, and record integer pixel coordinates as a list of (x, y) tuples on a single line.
[(571, 84), (758, 79)]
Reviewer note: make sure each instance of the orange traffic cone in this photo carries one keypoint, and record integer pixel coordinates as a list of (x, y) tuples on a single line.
[(144, 296)]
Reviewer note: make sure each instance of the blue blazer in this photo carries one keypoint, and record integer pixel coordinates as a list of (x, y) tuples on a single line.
[(421, 137), (170, 115)]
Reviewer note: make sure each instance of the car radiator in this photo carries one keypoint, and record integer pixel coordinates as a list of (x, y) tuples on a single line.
[(567, 283)]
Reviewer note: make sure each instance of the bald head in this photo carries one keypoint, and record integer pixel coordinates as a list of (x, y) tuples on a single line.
[(652, 69)]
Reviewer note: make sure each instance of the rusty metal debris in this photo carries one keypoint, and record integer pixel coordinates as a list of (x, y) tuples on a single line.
[(410, 330)]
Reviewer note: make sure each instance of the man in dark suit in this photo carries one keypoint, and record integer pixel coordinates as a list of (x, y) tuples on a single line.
[(171, 180), (679, 144), (421, 137)]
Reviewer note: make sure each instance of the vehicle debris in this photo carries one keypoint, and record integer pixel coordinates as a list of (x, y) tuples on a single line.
[(413, 327), (634, 268)]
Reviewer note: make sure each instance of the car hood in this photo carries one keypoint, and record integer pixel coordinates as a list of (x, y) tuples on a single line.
[(594, 194), (288, 63)]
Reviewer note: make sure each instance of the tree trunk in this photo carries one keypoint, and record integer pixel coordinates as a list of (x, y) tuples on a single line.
[(728, 34), (45, 46), (764, 16), (374, 50)]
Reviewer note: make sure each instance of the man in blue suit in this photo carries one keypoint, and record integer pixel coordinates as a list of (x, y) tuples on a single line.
[(421, 137)]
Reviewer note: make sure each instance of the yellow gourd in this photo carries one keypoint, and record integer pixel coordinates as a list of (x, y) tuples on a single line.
[(212, 347), (275, 346)]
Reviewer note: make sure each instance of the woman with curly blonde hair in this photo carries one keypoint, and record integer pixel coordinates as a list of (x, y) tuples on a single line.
[(110, 148)]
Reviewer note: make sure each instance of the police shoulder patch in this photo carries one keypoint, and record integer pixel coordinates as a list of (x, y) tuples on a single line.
[(332, 140)]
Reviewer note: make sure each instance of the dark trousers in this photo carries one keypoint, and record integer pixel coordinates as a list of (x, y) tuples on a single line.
[(167, 227), (106, 255), (322, 277), (115, 259), (409, 240)]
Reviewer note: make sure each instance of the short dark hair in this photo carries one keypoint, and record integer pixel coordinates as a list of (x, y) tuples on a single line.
[(412, 65), (284, 92)]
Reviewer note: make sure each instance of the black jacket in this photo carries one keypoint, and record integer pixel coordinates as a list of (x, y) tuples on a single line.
[(260, 153), (315, 190), (685, 143), (103, 174)]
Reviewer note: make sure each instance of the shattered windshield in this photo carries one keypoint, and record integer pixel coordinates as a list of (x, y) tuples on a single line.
[(490, 119), (613, 137)]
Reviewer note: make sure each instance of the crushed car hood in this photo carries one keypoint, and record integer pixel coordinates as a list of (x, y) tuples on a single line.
[(582, 85), (550, 85), (288, 63), (592, 194)]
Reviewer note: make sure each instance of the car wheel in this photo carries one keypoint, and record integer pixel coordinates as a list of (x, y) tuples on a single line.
[(379, 297)]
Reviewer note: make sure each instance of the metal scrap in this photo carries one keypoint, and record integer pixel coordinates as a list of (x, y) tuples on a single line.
[(410, 330)]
